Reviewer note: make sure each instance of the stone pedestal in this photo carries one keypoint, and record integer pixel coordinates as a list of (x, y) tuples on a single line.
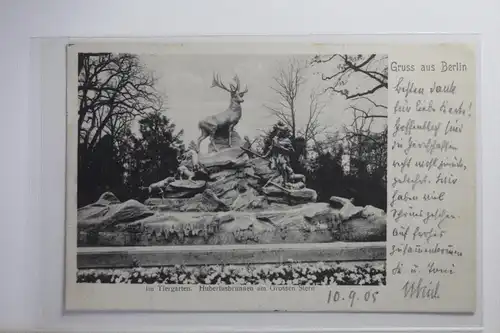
[(222, 140)]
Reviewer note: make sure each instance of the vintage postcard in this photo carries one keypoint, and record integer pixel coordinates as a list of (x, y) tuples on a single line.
[(271, 177)]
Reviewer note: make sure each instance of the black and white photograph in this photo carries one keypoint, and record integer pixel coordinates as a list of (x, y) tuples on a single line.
[(232, 169)]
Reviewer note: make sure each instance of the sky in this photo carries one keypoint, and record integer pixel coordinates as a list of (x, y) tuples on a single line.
[(186, 81)]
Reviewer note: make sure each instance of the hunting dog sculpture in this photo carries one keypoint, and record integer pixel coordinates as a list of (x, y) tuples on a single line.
[(226, 119)]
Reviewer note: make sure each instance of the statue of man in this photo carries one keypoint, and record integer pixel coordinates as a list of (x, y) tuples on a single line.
[(280, 151)]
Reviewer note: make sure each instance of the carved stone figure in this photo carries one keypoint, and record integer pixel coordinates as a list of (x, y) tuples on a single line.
[(280, 152), (296, 186), (226, 120), (189, 162), (159, 187)]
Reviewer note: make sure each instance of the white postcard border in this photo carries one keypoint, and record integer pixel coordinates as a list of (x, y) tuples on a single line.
[(90, 290)]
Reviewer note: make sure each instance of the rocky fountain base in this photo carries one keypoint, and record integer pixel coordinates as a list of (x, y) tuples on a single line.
[(238, 201)]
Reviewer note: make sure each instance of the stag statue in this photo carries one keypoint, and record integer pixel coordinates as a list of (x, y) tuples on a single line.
[(226, 119)]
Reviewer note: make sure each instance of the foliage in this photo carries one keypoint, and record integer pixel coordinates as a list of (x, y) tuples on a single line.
[(114, 91), (155, 153), (328, 177), (352, 162), (319, 273), (117, 94)]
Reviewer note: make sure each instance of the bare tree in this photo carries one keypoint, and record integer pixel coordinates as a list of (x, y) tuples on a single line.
[(113, 89), (313, 126), (350, 70), (372, 68), (363, 142), (361, 125), (288, 84)]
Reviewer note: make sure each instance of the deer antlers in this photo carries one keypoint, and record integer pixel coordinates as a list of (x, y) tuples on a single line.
[(216, 82)]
